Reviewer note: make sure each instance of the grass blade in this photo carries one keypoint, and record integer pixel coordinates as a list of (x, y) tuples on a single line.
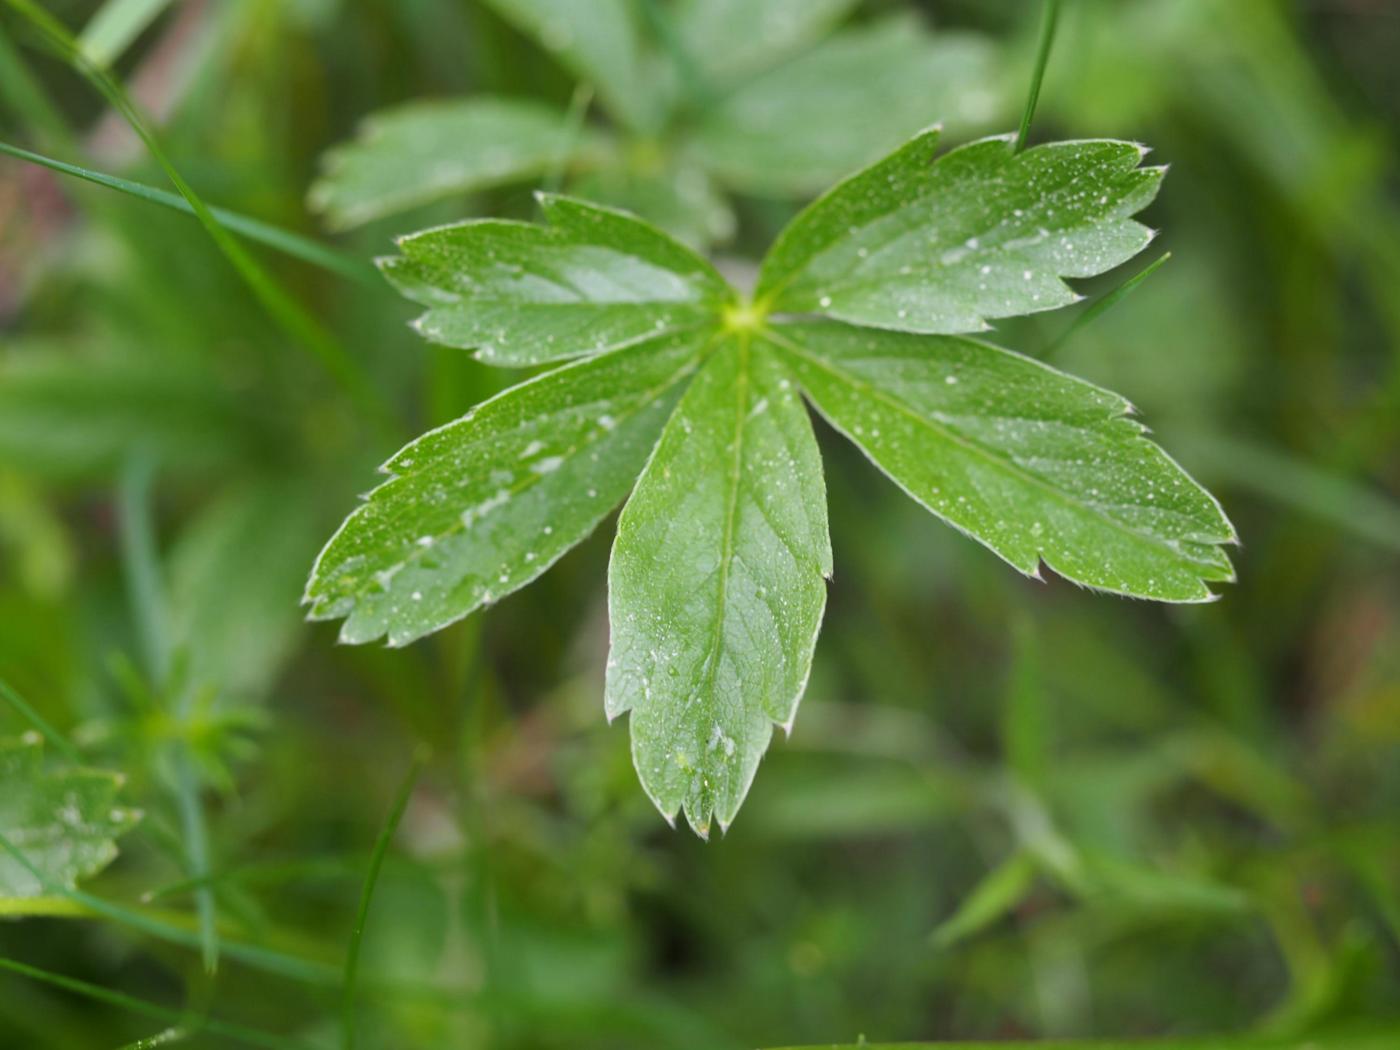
[(60, 742), (381, 846), (225, 1029), (1102, 305), (281, 306), (115, 26), (274, 237), (1042, 58)]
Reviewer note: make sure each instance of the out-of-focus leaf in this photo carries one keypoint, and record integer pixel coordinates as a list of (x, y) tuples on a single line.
[(234, 576), (66, 415), (815, 119), (64, 822), (599, 42), (39, 539), (1036, 465), (999, 891), (729, 38), (480, 507), (1116, 882), (941, 245), (1366, 513), (681, 199), (589, 280), (716, 589), (422, 151), (115, 25)]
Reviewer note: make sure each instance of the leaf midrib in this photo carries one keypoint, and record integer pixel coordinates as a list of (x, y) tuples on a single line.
[(925, 191), (741, 387), (417, 552), (978, 450)]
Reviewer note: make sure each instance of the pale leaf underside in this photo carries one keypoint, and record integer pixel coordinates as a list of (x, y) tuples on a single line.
[(423, 151), (64, 822)]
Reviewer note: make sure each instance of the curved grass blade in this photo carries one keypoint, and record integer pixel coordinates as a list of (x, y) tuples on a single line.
[(376, 862), (275, 237)]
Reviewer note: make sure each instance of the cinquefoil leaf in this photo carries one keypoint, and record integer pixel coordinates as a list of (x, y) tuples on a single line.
[(478, 508), (941, 245), (65, 822), (589, 280), (598, 41), (716, 590), (729, 38), (800, 126), (422, 151), (1033, 463)]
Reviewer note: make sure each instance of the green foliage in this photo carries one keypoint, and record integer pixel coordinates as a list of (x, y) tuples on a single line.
[(524, 294), (482, 506), (940, 245), (739, 95), (716, 585), (1127, 821), (398, 159), (1035, 464), (63, 823), (716, 589), (773, 134)]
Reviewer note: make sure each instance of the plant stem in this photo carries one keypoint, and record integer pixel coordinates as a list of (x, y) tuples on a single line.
[(283, 309), (60, 742), (381, 847), (250, 1036)]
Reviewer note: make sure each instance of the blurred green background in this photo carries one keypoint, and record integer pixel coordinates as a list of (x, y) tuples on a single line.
[(1008, 809)]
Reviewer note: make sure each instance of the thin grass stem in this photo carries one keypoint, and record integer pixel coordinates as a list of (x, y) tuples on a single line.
[(1048, 22), (381, 847)]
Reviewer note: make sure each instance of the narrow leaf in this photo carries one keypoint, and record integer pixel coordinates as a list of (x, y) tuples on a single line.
[(589, 280), (942, 245), (423, 151), (999, 891), (480, 507), (115, 26), (1034, 464), (716, 585), (65, 822)]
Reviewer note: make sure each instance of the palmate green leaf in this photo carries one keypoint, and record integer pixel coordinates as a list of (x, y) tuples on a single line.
[(519, 293), (716, 584), (422, 151), (1034, 464), (800, 126), (480, 507), (942, 245), (716, 587), (64, 822)]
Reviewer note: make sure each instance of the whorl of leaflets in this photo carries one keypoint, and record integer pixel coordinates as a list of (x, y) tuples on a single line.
[(685, 404)]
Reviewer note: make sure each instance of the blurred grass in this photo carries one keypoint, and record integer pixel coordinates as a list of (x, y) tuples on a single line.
[(1121, 820)]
